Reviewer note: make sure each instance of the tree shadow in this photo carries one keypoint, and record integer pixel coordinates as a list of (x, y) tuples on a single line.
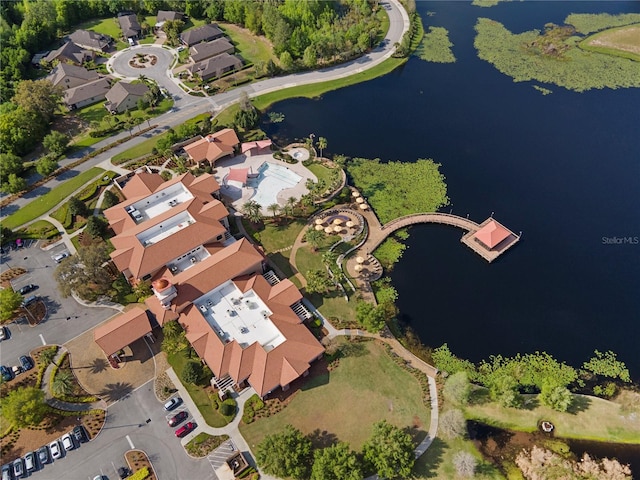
[(479, 396), (115, 391), (427, 465), (322, 438), (580, 404), (353, 349), (98, 365), (530, 403)]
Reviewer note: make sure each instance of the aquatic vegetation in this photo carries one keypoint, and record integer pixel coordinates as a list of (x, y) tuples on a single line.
[(544, 91), (622, 41), (586, 23), (487, 3), (552, 57), (436, 46)]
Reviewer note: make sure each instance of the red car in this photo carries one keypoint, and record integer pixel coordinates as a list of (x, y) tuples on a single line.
[(178, 418), (186, 428)]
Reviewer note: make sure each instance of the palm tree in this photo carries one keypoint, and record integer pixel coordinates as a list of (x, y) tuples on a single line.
[(62, 383), (252, 211), (274, 208), (322, 144), (291, 203), (314, 238), (142, 78)]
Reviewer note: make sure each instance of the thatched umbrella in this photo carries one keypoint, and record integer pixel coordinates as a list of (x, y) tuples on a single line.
[(360, 259), (355, 193), (337, 221), (319, 221), (319, 227), (328, 230), (358, 268), (350, 224), (337, 228), (360, 200), (363, 206)]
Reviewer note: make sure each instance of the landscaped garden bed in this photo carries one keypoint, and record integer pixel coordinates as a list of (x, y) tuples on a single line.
[(203, 444), (140, 464)]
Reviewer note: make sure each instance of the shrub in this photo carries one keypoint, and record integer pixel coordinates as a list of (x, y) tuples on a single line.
[(192, 372), (141, 474), (228, 407)]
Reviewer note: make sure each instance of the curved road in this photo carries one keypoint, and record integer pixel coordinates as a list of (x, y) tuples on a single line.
[(187, 107)]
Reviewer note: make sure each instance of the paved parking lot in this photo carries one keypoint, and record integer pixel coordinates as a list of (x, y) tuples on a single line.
[(220, 454)]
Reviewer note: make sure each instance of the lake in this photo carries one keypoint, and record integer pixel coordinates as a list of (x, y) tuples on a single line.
[(563, 168)]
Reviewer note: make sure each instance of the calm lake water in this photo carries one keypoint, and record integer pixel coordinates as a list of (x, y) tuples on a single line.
[(563, 168)]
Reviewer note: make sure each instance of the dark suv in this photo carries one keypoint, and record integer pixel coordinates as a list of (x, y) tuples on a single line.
[(6, 373), (26, 362), (80, 434)]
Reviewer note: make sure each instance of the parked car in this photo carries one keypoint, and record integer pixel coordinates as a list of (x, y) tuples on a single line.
[(7, 472), (16, 370), (178, 418), (3, 333), (67, 442), (29, 300), (27, 288), (30, 462), (102, 477), (80, 434), (123, 472), (44, 456), (56, 451), (186, 428), (26, 362), (18, 468), (60, 256), (173, 403), (6, 373)]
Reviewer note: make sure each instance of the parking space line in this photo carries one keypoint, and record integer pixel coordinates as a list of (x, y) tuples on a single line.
[(130, 442), (42, 340)]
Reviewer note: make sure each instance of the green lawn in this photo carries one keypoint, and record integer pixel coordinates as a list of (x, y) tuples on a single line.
[(334, 402), (197, 393), (593, 419), (147, 146), (437, 462), (251, 48), (275, 235), (50, 200), (108, 26), (321, 172), (307, 259), (38, 229)]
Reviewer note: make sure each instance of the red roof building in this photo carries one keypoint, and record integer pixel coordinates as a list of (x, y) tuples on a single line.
[(492, 234), (213, 147)]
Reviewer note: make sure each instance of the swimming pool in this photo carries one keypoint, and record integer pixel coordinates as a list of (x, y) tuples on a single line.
[(271, 180)]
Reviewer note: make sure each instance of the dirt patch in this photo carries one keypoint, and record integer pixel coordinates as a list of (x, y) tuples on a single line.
[(6, 277), (624, 39)]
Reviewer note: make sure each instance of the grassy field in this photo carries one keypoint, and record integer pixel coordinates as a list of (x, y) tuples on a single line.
[(251, 48), (147, 146), (198, 394), (46, 202), (333, 402), (275, 235), (592, 419), (321, 172), (38, 229), (622, 42)]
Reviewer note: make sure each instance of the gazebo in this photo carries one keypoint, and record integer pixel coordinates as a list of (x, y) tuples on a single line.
[(238, 175), (491, 234)]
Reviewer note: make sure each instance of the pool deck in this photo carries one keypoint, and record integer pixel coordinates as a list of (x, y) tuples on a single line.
[(240, 196)]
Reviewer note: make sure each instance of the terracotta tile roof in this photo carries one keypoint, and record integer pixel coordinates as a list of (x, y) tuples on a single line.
[(140, 260), (492, 234), (162, 316), (264, 370), (214, 146), (122, 330)]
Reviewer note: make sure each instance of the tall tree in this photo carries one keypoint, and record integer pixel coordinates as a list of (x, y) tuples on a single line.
[(337, 462), (465, 464), (62, 383), (24, 406), (390, 451), (83, 273), (9, 163), (77, 207), (14, 184), (9, 302), (251, 210), (56, 142), (274, 208), (322, 144), (285, 454), (38, 96), (457, 388), (314, 238), (318, 281), (370, 317), (46, 165)]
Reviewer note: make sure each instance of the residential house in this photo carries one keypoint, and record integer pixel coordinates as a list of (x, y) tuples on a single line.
[(129, 25), (213, 147), (247, 326), (90, 40), (164, 15), (215, 67), (124, 96), (70, 53), (87, 94), (205, 50), (205, 33), (71, 76)]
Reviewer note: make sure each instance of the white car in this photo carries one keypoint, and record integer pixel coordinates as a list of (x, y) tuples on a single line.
[(3, 332), (56, 452), (67, 442), (60, 256)]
